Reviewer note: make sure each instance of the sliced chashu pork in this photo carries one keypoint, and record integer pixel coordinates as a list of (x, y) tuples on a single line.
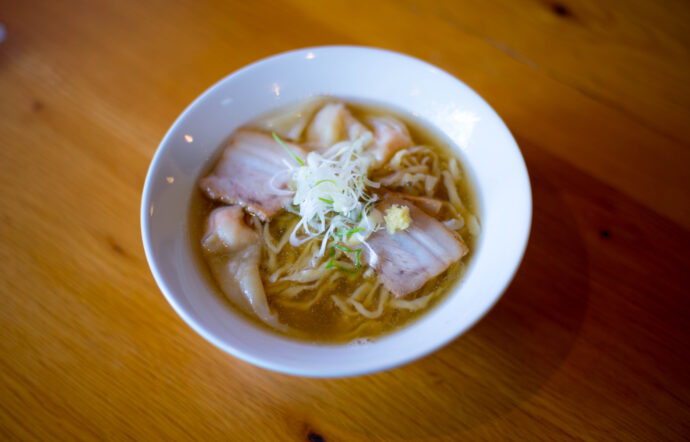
[(233, 251), (431, 206), (253, 173), (407, 259)]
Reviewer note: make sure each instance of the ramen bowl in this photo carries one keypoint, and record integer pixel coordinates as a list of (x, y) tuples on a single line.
[(438, 100)]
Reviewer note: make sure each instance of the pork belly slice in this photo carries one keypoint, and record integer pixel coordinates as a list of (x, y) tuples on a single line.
[(408, 259), (232, 251), (431, 206), (244, 172)]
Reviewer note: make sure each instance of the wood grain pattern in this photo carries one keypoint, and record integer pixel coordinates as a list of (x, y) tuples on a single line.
[(590, 341)]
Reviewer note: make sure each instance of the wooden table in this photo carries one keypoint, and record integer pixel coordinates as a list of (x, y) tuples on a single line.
[(591, 340)]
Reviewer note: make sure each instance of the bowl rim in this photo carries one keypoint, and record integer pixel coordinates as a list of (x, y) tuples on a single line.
[(210, 336)]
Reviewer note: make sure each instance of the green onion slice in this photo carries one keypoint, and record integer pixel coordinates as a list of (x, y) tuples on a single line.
[(350, 232), (279, 141), (332, 263)]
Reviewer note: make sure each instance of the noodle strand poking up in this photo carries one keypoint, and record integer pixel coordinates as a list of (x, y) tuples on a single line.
[(340, 163)]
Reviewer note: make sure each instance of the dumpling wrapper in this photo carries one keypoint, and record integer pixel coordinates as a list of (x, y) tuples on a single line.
[(233, 251)]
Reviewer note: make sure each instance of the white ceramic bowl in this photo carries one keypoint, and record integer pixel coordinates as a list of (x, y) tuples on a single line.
[(406, 83)]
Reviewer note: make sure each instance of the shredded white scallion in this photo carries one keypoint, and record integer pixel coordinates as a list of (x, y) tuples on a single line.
[(330, 195)]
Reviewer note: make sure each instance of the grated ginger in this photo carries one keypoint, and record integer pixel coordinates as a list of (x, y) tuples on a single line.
[(397, 218)]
